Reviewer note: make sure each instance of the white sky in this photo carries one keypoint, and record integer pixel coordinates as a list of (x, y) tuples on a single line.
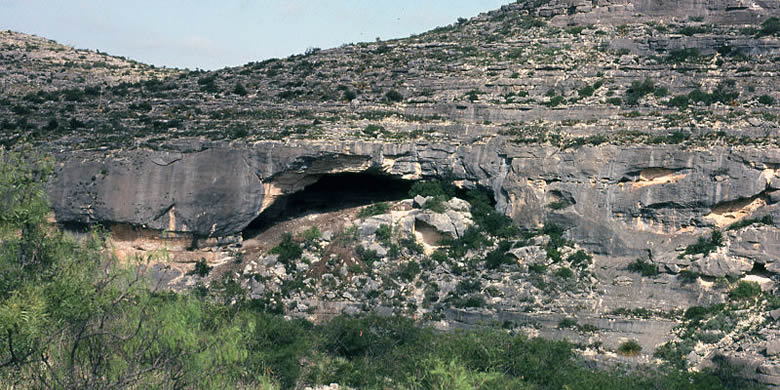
[(211, 34)]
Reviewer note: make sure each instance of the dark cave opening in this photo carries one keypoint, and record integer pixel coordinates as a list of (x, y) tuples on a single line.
[(331, 193), (760, 270)]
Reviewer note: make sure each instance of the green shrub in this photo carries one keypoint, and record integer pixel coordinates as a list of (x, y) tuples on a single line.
[(687, 276), (559, 205), (586, 91), (629, 348), (432, 188), (564, 273), (770, 26), (240, 90), (681, 102), (410, 242), (202, 268), (580, 259), (766, 100), (374, 209), (682, 55), (384, 233), (409, 270), (498, 257), (367, 256), (349, 95), (278, 345), (311, 237), (556, 241), (555, 101), (394, 96), (637, 90), (673, 138), (537, 268), (288, 251), (472, 239), (490, 220), (437, 204), (643, 267), (660, 92), (765, 220), (705, 246), (375, 131), (745, 290), (567, 323)]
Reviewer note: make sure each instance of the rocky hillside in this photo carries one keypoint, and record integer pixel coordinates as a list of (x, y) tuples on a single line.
[(617, 162)]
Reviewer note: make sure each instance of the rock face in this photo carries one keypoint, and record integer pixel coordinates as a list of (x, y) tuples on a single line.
[(619, 200)]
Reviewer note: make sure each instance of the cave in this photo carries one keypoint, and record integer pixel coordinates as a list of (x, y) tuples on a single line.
[(331, 193)]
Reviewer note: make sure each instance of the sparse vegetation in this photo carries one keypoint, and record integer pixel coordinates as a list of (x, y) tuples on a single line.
[(765, 220), (288, 251), (643, 267), (705, 246), (629, 348), (374, 209), (745, 290)]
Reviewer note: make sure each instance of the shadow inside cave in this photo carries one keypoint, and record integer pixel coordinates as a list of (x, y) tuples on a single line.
[(331, 193)]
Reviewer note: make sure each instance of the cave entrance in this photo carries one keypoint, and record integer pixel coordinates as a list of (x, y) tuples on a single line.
[(331, 193)]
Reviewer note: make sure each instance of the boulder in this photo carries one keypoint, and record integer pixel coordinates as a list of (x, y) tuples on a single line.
[(718, 264)]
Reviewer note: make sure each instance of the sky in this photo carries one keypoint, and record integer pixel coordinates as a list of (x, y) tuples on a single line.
[(211, 34)]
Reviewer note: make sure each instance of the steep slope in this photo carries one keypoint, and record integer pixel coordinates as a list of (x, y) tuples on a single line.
[(641, 129)]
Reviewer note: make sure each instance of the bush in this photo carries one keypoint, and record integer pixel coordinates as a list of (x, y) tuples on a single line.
[(629, 348), (586, 91), (394, 96), (490, 220), (580, 259), (681, 102), (384, 233), (564, 273), (472, 239), (687, 276), (312, 236), (410, 242), (765, 220), (433, 188), (375, 131), (240, 90), (201, 269), (705, 246), (288, 251), (374, 209), (496, 258), (436, 204), (555, 101), (637, 90), (682, 55), (567, 323), (643, 267), (770, 26), (745, 290), (349, 95), (766, 100), (409, 270)]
